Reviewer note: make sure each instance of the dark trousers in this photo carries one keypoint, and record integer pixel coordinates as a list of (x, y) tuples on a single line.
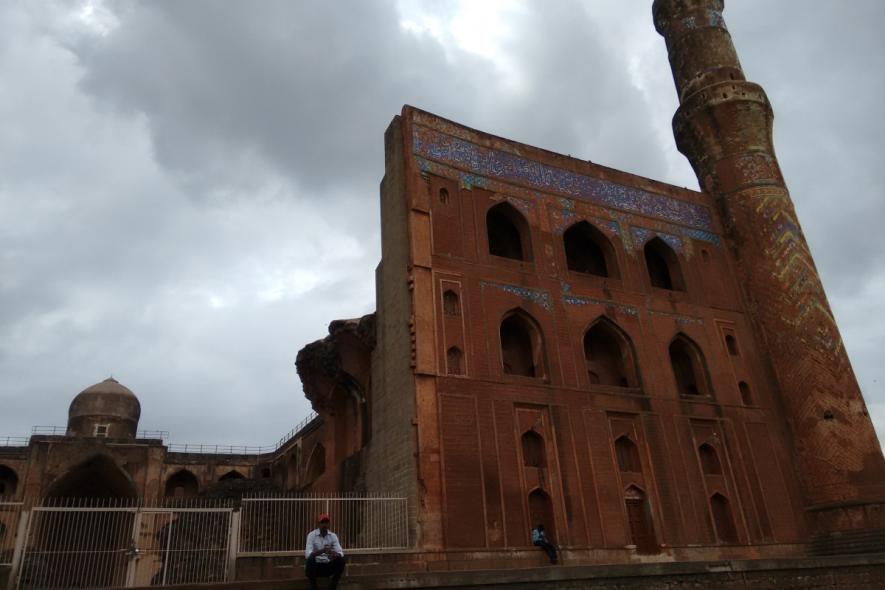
[(548, 548), (332, 569)]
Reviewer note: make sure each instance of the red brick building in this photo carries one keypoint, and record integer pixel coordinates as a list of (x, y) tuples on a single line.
[(647, 370)]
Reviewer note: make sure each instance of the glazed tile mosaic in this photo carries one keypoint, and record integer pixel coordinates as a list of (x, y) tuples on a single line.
[(576, 300), (641, 235), (536, 296), (484, 162), (680, 319)]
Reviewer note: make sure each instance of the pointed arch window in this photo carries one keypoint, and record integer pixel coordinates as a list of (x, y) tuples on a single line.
[(723, 519), (710, 463), (608, 353), (689, 367), (628, 455), (508, 233), (454, 361), (589, 251), (533, 454), (522, 347), (662, 264)]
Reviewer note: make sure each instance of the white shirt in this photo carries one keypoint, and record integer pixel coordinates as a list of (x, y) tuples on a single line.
[(316, 541)]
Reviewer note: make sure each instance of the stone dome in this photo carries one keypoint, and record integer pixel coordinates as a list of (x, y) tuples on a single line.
[(106, 409)]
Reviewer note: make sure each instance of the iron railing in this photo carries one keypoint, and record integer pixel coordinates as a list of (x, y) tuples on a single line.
[(241, 449), (63, 430), (114, 543), (362, 523), (10, 513)]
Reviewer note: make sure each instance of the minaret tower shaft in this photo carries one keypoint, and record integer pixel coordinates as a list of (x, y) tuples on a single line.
[(724, 127)]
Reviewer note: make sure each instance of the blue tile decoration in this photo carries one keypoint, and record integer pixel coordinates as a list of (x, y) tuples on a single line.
[(641, 235), (474, 159), (682, 320), (536, 296), (526, 207), (576, 300), (703, 236)]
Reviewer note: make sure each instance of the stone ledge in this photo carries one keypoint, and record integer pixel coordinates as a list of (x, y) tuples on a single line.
[(856, 571)]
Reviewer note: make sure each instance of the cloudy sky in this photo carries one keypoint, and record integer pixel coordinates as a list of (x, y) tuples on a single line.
[(189, 190)]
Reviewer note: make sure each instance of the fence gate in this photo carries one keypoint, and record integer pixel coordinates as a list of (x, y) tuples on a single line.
[(10, 512), (123, 546)]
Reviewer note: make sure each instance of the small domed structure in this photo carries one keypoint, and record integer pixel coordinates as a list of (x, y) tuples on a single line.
[(106, 409)]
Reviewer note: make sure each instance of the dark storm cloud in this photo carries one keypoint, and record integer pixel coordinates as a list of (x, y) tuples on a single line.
[(194, 184)]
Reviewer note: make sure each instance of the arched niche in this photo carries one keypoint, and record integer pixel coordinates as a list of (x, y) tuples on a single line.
[(451, 303), (710, 463), (589, 251), (627, 454), (541, 512), (609, 355), (454, 361), (746, 395), (182, 484), (8, 482), (639, 520), (232, 475), (689, 367), (96, 477), (723, 519), (522, 345), (533, 454), (662, 265), (508, 233)]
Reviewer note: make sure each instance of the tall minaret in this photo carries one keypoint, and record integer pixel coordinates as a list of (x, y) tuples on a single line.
[(723, 126)]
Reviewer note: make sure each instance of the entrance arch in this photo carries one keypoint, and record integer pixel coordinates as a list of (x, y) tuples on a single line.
[(87, 549)]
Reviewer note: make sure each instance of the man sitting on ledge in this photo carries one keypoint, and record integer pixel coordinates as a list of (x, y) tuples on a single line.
[(325, 557)]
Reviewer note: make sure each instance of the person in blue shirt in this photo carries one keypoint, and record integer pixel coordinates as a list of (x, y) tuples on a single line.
[(325, 557), (539, 539)]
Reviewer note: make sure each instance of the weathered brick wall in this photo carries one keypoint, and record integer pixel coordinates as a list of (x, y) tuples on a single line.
[(460, 174)]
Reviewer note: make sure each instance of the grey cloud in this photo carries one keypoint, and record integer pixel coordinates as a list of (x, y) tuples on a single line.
[(195, 193)]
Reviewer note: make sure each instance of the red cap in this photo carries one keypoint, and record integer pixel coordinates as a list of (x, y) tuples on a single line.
[(323, 517)]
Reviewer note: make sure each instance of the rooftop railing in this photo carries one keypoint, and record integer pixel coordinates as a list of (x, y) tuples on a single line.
[(22, 441)]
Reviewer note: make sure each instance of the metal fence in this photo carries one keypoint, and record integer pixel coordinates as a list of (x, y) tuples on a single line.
[(362, 523), (10, 514), (113, 544), (118, 543)]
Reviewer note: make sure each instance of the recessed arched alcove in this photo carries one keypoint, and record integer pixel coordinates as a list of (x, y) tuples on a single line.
[(508, 233), (182, 484), (8, 482), (521, 345), (662, 265), (609, 355), (541, 512), (689, 367), (589, 251), (533, 454)]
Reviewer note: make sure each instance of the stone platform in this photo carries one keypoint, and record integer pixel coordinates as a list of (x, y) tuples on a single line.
[(855, 572)]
